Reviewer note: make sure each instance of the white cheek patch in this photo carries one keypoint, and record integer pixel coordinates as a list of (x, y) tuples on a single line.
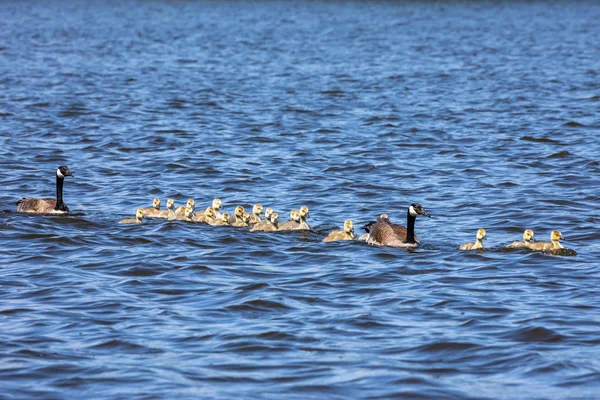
[(412, 211), (59, 174)]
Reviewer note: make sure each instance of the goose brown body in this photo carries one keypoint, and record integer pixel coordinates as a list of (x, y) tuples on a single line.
[(382, 232), (48, 205)]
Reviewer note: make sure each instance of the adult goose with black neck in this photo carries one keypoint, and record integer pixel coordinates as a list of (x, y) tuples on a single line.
[(48, 206), (383, 233)]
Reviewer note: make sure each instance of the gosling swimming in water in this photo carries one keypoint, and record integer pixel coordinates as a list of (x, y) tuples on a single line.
[(303, 212), (168, 212), (180, 212), (154, 211), (478, 245), (527, 241), (346, 234), (256, 212), (139, 215), (554, 243), (224, 220), (382, 233), (208, 216), (216, 206), (48, 206), (237, 216), (244, 220), (268, 225), (293, 224)]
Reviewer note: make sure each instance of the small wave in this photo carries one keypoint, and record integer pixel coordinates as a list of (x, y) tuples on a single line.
[(259, 305), (535, 334), (561, 154), (538, 140), (573, 124)]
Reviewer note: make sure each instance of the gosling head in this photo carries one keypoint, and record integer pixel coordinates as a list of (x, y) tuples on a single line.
[(189, 211), (246, 218), (528, 235), (210, 213), (304, 212), (481, 235), (275, 218), (257, 209), (64, 171), (555, 236), (217, 204), (268, 212), (170, 204), (348, 227), (139, 214), (191, 203), (225, 217), (156, 203), (239, 211), (416, 209)]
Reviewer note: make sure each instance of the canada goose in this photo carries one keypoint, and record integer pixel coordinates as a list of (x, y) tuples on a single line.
[(238, 213), (303, 215), (383, 234), (48, 206), (207, 216), (244, 220), (553, 244), (154, 211), (224, 220), (139, 214), (346, 234), (168, 212), (527, 241), (293, 224), (268, 225), (478, 245), (256, 211)]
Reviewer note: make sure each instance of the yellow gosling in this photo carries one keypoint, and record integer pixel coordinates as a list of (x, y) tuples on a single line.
[(553, 244), (256, 212), (346, 234), (154, 211), (139, 215), (269, 225), (526, 243), (294, 222), (478, 245)]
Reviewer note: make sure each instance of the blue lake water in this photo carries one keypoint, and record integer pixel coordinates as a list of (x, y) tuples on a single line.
[(486, 113)]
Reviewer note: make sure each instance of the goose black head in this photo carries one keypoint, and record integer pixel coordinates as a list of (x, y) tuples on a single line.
[(417, 209), (64, 171)]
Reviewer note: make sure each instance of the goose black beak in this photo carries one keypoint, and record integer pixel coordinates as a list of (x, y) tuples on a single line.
[(425, 213)]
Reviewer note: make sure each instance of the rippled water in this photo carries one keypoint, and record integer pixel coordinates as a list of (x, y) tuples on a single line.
[(485, 113)]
